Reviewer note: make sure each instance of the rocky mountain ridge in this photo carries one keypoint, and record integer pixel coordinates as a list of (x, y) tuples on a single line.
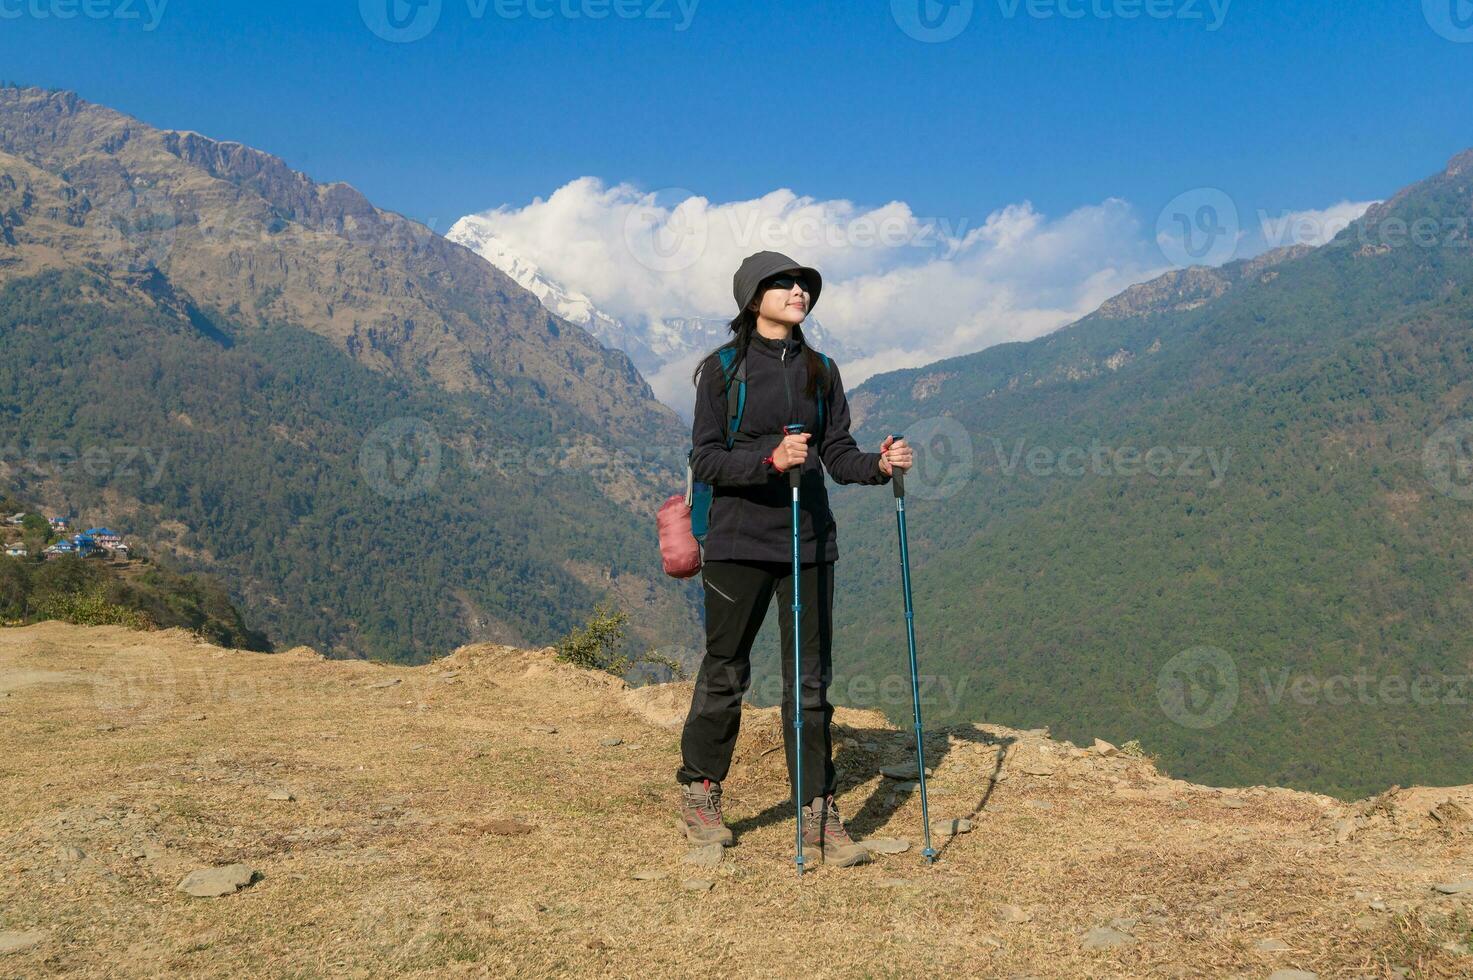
[(243, 235), (353, 409)]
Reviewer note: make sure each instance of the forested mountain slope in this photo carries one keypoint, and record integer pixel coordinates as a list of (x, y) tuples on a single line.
[(1227, 514), (384, 444)]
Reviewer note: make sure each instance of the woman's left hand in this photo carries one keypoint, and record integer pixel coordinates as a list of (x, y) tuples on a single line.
[(894, 455)]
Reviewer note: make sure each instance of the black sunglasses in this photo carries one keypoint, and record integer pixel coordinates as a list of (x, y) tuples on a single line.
[(788, 282)]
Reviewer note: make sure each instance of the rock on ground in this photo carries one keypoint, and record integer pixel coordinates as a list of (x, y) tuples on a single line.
[(706, 856), (14, 942), (1103, 937), (886, 845), (1454, 887), (903, 770), (215, 882)]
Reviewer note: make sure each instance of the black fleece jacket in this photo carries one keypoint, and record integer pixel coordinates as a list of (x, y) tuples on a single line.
[(751, 504)]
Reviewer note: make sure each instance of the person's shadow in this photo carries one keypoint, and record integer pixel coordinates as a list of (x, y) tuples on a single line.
[(857, 765)]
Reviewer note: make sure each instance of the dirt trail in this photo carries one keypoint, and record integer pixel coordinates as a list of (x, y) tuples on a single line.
[(427, 823)]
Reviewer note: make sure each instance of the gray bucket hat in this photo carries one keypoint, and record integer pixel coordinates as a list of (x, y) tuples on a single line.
[(762, 265)]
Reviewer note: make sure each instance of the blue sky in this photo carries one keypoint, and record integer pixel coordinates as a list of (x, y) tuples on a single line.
[(1283, 105), (1064, 147)]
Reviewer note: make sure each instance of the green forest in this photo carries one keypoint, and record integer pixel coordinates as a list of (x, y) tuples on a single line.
[(1299, 614), (258, 470)]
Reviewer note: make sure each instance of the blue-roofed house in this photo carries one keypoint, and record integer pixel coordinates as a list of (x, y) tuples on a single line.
[(105, 537)]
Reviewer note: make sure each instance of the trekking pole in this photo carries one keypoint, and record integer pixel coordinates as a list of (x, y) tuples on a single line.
[(793, 478), (898, 480)]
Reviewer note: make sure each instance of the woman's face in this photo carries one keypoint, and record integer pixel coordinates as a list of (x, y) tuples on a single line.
[(789, 305)]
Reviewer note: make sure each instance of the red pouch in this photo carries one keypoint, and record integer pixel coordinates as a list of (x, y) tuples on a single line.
[(678, 547)]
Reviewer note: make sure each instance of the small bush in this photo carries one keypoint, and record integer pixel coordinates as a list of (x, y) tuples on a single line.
[(1134, 750), (597, 646), (594, 646), (89, 609), (659, 660)]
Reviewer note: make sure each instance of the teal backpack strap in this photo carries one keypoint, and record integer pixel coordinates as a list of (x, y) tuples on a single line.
[(736, 391), (741, 402), (698, 494), (828, 367)]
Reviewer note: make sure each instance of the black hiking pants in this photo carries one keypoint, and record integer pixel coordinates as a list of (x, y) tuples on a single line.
[(738, 594)]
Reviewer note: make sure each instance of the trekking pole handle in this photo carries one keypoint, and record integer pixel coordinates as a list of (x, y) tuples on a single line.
[(897, 477), (793, 473)]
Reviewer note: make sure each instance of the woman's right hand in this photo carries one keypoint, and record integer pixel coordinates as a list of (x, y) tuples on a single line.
[(792, 451)]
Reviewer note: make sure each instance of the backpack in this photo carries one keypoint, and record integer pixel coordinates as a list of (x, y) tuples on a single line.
[(697, 494)]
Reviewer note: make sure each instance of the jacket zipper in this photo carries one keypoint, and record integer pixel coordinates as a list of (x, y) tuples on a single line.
[(787, 388)]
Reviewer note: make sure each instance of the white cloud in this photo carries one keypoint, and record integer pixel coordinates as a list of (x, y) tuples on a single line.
[(908, 289), (1311, 227)]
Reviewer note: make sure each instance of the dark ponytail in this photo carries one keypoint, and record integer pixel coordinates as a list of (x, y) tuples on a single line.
[(818, 376), (742, 326)]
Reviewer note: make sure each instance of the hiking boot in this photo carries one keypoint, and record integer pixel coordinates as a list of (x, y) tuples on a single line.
[(825, 841), (700, 810)]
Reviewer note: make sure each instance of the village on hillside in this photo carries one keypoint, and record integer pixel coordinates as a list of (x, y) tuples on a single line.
[(95, 542)]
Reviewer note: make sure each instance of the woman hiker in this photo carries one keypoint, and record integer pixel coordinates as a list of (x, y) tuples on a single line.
[(748, 548)]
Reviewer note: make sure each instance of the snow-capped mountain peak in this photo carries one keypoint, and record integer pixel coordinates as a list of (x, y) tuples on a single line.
[(474, 232), (664, 349)]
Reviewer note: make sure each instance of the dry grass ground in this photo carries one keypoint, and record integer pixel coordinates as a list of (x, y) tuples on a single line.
[(129, 759)]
